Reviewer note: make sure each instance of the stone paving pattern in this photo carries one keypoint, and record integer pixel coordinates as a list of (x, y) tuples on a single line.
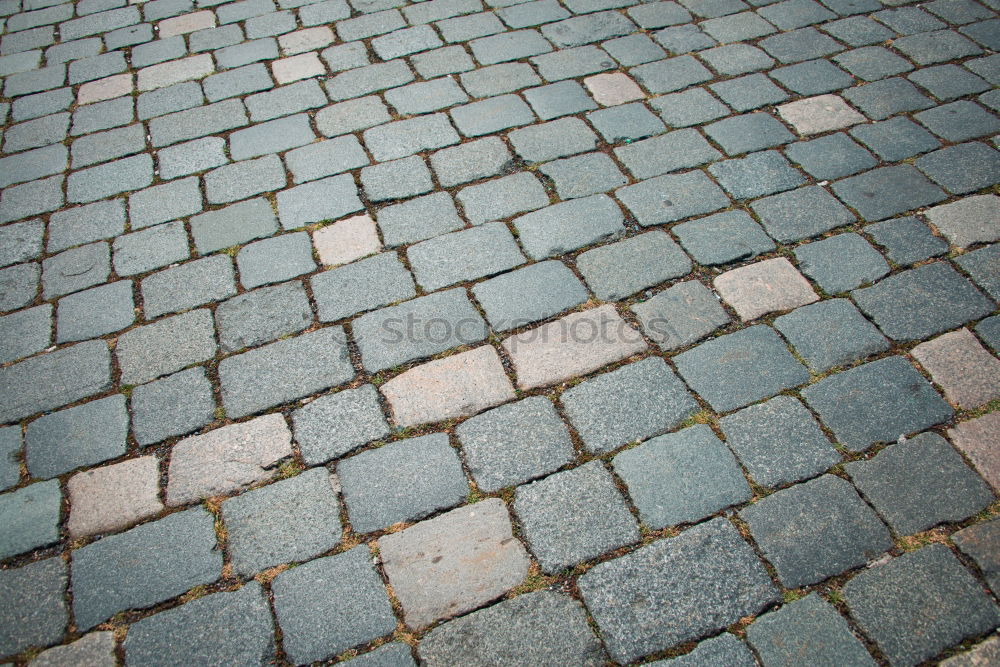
[(479, 332)]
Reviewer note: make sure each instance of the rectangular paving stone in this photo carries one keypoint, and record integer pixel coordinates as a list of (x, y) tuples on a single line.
[(397, 179), (163, 203), (235, 82), (470, 161), (502, 198), (262, 315), (103, 115), (418, 219), (491, 115), (294, 368), (571, 63), (666, 153), (618, 270), (335, 424), (368, 79), (95, 312), (150, 351), (418, 328), (804, 551), (20, 242), (563, 227), (880, 401), (175, 405), (978, 542), (31, 517), (427, 96), (672, 197), (527, 295), (34, 609), (425, 474), (244, 179), (351, 116), (275, 260), (110, 575), (509, 46), (738, 369), (464, 255), (197, 122), (99, 23), (291, 520), (104, 180), (227, 459), (113, 497), (104, 146), (406, 137), (150, 248), (554, 139), (191, 157), (332, 604), (248, 52), (680, 315), (33, 164), (233, 225), (325, 158), (573, 345), (75, 269), (32, 198), (38, 132), (326, 199), (711, 579), (831, 333), (359, 286), (764, 287), (97, 430), (52, 380), (453, 563), (25, 332)]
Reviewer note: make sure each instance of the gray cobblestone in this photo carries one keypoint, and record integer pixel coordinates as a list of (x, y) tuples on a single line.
[(567, 226), (188, 285), (368, 79), (162, 101), (620, 269), (233, 225), (247, 52), (262, 315), (169, 345), (285, 100), (353, 415), (447, 60), (398, 179), (360, 286), (103, 115), (502, 198), (32, 198), (41, 104), (21, 241), (463, 256), (34, 610), (152, 248), (175, 405), (244, 179), (95, 312), (235, 82), (37, 132), (197, 122)]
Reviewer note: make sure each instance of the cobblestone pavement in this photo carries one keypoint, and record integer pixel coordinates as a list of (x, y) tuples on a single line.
[(486, 332)]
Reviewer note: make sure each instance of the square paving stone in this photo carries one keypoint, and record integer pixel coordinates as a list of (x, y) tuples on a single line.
[(672, 197), (33, 609), (980, 542), (748, 133), (920, 483), (175, 405), (332, 425), (882, 99), (557, 138), (959, 121), (989, 331), (948, 82), (676, 590), (723, 238), (735, 59), (583, 175), (398, 179), (666, 76), (620, 269), (390, 654), (632, 403), (764, 287), (872, 63), (275, 260), (233, 225), (113, 573), (229, 627), (778, 442), (680, 315), (801, 213), (168, 345), (359, 286), (418, 328), (876, 402), (30, 516), (290, 520), (690, 107), (757, 174), (936, 47), (464, 255), (805, 550), (453, 563), (830, 333), (737, 27), (331, 604), (514, 443), (74, 269), (895, 139), (25, 332), (262, 315), (672, 151), (921, 302), (527, 295), (963, 168), (541, 628), (95, 312), (814, 77), (20, 285), (907, 240), (626, 122), (815, 115), (738, 369), (574, 516), (918, 604), (503, 197), (748, 92), (418, 219), (681, 477), (113, 497), (566, 226), (886, 191), (79, 436), (984, 267), (470, 161), (635, 49), (842, 262), (401, 482), (808, 630), (555, 100), (150, 248)]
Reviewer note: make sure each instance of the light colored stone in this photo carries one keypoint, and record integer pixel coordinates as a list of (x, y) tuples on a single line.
[(453, 563), (297, 67), (94, 650), (571, 346), (175, 71), (822, 113), (104, 89), (977, 439), (981, 655), (611, 89), (181, 25), (113, 497), (347, 240), (970, 220), (309, 39), (764, 287), (959, 364), (457, 386), (227, 459)]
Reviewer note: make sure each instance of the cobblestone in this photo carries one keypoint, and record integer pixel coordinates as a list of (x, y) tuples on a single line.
[(113, 497)]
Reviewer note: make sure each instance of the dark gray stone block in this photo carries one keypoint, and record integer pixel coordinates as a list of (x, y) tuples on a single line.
[(633, 403), (722, 650), (984, 267), (676, 150), (906, 240), (981, 543), (540, 628), (778, 442), (683, 39), (806, 551), (681, 477), (95, 312), (564, 227), (418, 219), (145, 353), (574, 516), (895, 139), (672, 197), (175, 405), (33, 609), (921, 302), (618, 270), (30, 516), (557, 138), (359, 286), (757, 174), (97, 431), (392, 654), (918, 604), (333, 425), (876, 402), (503, 197), (799, 45), (330, 605), (558, 99), (830, 157), (676, 590), (749, 132), (398, 179), (737, 369), (886, 191), (25, 332), (749, 92), (75, 269), (262, 315), (229, 627), (920, 483), (514, 443), (963, 168), (814, 77), (690, 107), (723, 238), (464, 255), (882, 99), (275, 260), (113, 573), (801, 214), (401, 482), (680, 315), (842, 262), (830, 333), (291, 520), (872, 63), (527, 295)]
